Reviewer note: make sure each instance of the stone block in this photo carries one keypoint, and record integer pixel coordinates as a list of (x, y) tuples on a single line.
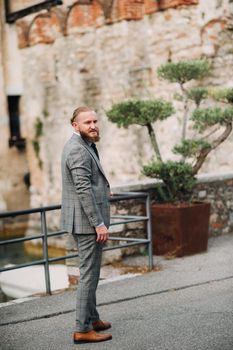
[(116, 228), (151, 6), (45, 28), (22, 32), (210, 35), (202, 194), (139, 225), (165, 4), (231, 219), (86, 15), (130, 9), (110, 256)]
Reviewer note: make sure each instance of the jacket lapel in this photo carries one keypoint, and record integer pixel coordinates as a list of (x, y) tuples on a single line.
[(91, 151)]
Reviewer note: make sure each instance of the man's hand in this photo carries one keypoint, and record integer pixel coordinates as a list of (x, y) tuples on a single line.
[(102, 234)]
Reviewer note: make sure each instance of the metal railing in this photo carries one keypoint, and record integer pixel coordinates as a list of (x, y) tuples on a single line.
[(117, 220)]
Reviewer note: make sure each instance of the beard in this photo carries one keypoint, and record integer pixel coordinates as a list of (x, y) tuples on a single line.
[(86, 135)]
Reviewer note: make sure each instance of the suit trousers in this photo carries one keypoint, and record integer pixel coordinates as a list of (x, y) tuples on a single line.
[(90, 254)]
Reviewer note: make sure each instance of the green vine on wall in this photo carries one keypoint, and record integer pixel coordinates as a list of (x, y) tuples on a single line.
[(45, 113), (35, 142)]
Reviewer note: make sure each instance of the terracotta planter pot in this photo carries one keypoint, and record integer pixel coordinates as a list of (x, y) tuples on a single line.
[(180, 230)]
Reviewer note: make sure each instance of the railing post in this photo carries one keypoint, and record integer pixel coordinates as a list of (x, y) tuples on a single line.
[(45, 251), (149, 232)]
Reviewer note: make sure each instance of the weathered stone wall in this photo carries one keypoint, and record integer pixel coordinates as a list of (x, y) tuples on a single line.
[(98, 54), (218, 190), (13, 164)]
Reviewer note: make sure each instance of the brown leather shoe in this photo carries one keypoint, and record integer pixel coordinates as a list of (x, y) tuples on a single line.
[(90, 337), (101, 325)]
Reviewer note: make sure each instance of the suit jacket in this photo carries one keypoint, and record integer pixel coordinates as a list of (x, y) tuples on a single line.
[(85, 189)]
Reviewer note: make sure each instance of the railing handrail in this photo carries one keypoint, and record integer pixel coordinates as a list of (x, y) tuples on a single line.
[(28, 211), (115, 198)]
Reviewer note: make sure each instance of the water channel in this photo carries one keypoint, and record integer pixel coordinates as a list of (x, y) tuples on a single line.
[(13, 254)]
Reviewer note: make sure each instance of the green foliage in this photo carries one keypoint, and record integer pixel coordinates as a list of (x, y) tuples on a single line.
[(224, 95), (140, 112), (217, 94), (178, 97), (38, 127), (206, 117), (177, 177), (197, 94), (45, 113), (191, 148), (183, 71), (229, 95), (36, 145)]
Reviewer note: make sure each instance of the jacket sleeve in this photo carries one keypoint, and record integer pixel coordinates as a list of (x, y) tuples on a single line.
[(79, 164)]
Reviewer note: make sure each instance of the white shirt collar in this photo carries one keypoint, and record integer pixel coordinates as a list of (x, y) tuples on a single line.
[(77, 133)]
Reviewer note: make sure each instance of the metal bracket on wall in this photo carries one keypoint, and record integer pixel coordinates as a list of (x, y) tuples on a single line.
[(11, 17)]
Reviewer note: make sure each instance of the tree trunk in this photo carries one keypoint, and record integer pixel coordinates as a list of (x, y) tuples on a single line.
[(154, 141), (204, 153)]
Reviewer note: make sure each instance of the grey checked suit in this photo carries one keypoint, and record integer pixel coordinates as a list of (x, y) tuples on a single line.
[(85, 205), (85, 189)]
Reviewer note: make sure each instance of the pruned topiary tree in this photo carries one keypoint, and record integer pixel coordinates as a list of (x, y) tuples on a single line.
[(144, 113), (212, 125)]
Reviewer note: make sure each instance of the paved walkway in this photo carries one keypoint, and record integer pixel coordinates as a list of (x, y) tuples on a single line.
[(187, 305)]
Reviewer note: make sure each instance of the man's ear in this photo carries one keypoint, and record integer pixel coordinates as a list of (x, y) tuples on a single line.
[(75, 126)]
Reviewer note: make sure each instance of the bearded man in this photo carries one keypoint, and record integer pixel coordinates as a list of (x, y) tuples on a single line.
[(86, 215)]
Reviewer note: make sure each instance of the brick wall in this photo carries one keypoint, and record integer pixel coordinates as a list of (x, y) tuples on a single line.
[(46, 27)]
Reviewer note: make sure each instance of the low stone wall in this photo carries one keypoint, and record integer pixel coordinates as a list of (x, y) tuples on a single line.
[(216, 189)]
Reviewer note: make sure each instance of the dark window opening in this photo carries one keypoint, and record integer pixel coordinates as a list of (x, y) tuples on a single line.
[(15, 136)]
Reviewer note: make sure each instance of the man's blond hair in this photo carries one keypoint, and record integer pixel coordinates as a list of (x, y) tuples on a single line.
[(79, 110)]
